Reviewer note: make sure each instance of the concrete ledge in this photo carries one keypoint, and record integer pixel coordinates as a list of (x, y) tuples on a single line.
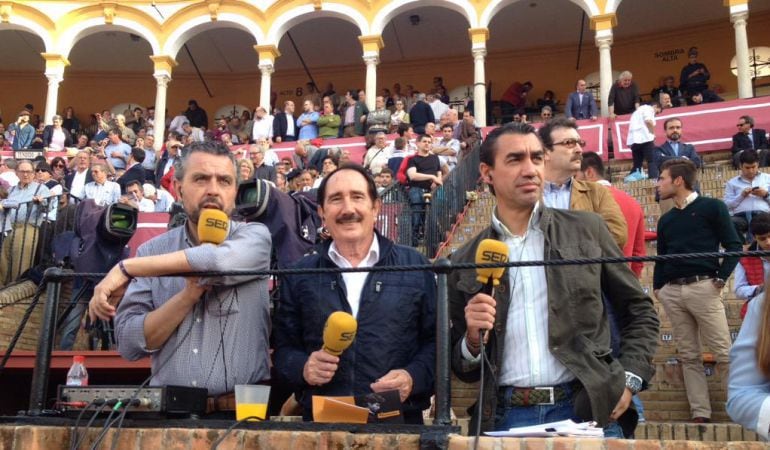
[(27, 437)]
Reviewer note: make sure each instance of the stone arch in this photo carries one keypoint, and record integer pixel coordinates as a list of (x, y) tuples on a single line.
[(302, 13), (91, 20), (393, 9), (494, 6), (611, 6), (199, 18), (25, 18)]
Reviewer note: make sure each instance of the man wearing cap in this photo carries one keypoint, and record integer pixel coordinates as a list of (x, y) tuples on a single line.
[(695, 76), (166, 161), (23, 133)]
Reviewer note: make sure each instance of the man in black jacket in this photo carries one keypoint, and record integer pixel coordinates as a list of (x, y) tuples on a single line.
[(749, 138), (548, 338), (395, 347), (284, 125), (421, 114), (134, 171), (196, 115)]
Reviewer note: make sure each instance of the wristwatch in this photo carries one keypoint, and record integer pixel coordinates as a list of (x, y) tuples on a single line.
[(633, 383), (719, 283)]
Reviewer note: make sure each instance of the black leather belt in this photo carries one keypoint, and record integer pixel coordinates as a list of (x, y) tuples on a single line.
[(691, 280), (533, 396)]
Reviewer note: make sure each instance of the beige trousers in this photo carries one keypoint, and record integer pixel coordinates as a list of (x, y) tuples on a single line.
[(18, 252), (697, 315)]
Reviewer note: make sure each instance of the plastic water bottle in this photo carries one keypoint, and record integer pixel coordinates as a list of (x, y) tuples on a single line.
[(77, 375)]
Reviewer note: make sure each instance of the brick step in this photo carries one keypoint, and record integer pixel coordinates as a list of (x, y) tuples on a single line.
[(707, 432)]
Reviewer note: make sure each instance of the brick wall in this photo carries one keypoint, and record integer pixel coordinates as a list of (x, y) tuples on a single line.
[(56, 438), (14, 301)]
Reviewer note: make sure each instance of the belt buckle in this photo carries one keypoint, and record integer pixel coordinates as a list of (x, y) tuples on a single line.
[(551, 399)]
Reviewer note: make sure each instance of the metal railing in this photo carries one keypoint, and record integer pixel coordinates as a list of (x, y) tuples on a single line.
[(395, 218), (448, 200), (27, 233)]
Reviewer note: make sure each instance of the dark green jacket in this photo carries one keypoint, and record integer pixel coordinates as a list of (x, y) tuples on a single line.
[(578, 327), (360, 110)]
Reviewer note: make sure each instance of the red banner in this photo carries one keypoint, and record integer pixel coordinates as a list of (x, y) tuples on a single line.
[(356, 146), (708, 127), (148, 226), (591, 131)]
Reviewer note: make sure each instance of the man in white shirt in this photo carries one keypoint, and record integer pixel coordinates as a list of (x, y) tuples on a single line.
[(447, 148), (177, 122), (135, 197), (263, 125), (746, 195), (101, 190), (378, 154), (8, 172), (159, 196), (438, 107), (195, 134), (641, 138), (75, 182)]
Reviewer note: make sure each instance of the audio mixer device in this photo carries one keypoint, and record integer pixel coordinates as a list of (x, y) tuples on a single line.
[(155, 401)]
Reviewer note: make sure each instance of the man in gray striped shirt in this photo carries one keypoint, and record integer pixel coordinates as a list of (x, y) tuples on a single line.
[(209, 332)]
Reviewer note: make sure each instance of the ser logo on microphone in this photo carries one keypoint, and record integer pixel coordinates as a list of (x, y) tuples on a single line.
[(347, 336), (489, 256), (216, 223)]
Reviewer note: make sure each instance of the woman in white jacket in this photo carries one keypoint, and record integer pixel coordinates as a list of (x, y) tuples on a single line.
[(748, 397)]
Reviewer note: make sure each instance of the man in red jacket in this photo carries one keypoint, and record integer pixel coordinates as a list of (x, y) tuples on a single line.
[(592, 169)]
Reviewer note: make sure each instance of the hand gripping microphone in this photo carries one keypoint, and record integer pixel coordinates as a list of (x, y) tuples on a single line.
[(213, 225), (339, 332), (490, 251)]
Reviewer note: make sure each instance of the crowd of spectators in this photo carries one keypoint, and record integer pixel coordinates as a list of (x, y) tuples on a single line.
[(113, 159)]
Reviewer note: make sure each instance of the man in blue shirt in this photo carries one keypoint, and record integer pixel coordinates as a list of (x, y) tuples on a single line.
[(115, 149), (23, 133), (307, 121)]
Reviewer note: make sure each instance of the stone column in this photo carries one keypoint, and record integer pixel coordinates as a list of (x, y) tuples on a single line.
[(603, 25), (164, 65), (372, 46), (739, 14), (605, 71), (54, 72), (267, 56), (479, 38)]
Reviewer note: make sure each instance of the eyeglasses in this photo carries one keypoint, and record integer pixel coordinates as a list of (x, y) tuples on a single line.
[(571, 143), (24, 172), (59, 166), (40, 170)]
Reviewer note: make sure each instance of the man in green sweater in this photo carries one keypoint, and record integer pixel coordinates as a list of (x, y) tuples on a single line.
[(690, 290), (328, 123)]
